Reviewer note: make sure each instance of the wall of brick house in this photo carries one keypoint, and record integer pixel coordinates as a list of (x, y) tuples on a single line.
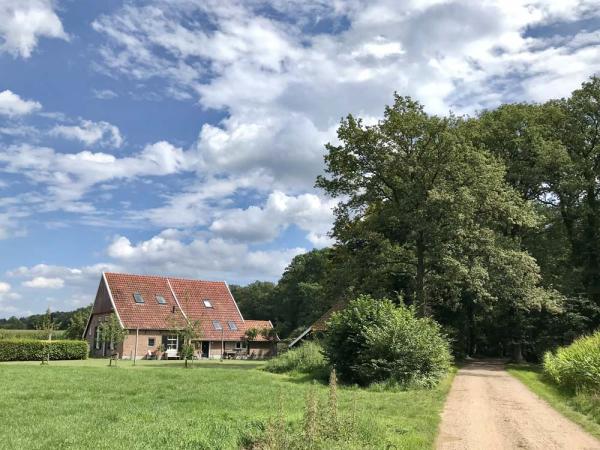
[(91, 334), (262, 349), (129, 347)]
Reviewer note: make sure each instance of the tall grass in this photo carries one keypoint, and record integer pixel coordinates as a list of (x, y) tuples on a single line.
[(576, 367), (308, 358)]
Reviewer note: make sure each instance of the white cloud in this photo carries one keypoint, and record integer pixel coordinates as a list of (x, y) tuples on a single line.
[(23, 22), (4, 287), (255, 224), (90, 133), (68, 176), (12, 105), (44, 283), (104, 94), (166, 253)]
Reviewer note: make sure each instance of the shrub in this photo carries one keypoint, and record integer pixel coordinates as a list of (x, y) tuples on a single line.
[(375, 341), (576, 366), (36, 350), (308, 358)]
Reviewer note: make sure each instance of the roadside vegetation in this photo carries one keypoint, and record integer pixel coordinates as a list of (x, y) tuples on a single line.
[(214, 405), (569, 380)]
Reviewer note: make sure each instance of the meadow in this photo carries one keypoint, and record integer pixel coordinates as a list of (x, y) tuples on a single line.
[(213, 405)]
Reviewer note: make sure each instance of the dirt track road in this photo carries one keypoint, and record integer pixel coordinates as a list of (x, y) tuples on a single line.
[(487, 409)]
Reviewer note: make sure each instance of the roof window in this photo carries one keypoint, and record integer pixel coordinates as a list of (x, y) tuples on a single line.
[(217, 325), (138, 297), (161, 300), (207, 303), (232, 325)]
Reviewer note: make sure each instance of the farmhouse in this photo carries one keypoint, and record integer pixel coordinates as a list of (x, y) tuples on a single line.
[(152, 308)]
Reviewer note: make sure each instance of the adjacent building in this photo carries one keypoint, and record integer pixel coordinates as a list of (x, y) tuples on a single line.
[(152, 308)]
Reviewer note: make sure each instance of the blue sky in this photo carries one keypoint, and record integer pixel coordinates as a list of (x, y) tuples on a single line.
[(184, 137)]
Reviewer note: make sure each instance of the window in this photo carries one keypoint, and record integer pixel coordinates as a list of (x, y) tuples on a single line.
[(172, 342), (151, 342), (161, 300), (232, 325), (97, 338), (138, 297), (240, 345), (217, 325), (207, 303)]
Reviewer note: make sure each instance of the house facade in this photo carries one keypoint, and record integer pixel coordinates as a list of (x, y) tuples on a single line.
[(153, 308)]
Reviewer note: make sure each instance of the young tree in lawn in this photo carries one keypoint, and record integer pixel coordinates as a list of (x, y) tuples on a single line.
[(48, 326), (77, 324), (112, 334), (190, 332)]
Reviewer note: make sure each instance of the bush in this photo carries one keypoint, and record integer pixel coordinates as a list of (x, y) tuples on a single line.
[(36, 350), (308, 358), (576, 366), (376, 341), (30, 334)]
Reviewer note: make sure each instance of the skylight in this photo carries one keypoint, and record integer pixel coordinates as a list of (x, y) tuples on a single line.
[(232, 325), (138, 297), (161, 300), (217, 325), (207, 303)]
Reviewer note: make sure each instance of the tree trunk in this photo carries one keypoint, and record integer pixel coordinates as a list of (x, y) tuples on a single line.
[(422, 306), (517, 352), (592, 271)]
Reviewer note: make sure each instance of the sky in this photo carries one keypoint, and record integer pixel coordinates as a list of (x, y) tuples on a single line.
[(184, 137)]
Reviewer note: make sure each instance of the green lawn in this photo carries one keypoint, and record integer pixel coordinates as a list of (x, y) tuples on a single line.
[(85, 404), (581, 408)]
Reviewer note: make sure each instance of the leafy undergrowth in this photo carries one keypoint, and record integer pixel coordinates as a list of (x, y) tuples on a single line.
[(581, 407), (86, 404)]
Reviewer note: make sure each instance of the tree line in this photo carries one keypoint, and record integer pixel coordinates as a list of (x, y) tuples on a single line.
[(488, 224)]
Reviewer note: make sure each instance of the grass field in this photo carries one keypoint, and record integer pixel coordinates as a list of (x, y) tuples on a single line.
[(85, 404), (582, 408)]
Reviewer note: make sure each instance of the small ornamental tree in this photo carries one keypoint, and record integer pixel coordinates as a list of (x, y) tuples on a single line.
[(191, 331), (112, 334), (376, 341), (48, 327), (251, 335)]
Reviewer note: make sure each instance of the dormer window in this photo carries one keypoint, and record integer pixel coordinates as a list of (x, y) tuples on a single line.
[(161, 300), (207, 303), (138, 297)]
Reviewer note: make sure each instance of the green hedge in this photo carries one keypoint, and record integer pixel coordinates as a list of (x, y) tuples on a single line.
[(36, 350)]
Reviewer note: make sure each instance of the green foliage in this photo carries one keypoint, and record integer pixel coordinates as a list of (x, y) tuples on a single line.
[(576, 366), (77, 324), (376, 341), (323, 427), (61, 318), (36, 350), (29, 334), (307, 358)]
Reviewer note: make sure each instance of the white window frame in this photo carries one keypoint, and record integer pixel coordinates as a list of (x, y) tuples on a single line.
[(214, 324), (207, 303), (231, 322), (170, 340)]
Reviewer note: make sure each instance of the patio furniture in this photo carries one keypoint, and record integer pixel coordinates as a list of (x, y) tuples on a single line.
[(172, 353)]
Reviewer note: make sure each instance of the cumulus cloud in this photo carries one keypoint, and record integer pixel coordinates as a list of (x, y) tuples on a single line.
[(44, 283), (24, 22), (255, 224), (90, 133), (68, 176), (12, 105), (200, 258)]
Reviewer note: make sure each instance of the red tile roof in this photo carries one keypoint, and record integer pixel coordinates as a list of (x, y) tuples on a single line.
[(184, 299)]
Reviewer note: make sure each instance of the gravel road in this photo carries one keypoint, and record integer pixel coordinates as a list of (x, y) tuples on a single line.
[(488, 409)]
